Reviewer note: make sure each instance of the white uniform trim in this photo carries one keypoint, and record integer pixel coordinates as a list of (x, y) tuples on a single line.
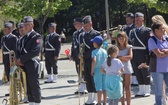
[(137, 47)]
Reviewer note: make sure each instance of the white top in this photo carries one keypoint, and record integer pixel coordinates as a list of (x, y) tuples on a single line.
[(115, 68)]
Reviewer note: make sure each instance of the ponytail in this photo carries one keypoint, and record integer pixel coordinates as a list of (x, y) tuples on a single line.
[(109, 61), (110, 51)]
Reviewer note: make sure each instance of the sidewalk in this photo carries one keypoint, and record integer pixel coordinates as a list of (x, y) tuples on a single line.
[(62, 93)]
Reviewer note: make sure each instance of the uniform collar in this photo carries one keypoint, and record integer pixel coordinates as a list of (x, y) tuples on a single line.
[(80, 29), (89, 31), (8, 35), (29, 32), (140, 27), (51, 34), (130, 25)]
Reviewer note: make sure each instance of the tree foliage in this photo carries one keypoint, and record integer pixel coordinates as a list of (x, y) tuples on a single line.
[(159, 5), (20, 8), (38, 9)]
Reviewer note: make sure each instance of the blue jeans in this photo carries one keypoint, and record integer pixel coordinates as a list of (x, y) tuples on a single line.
[(158, 79)]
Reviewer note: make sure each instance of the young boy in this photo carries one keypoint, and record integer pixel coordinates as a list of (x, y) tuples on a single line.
[(98, 57)]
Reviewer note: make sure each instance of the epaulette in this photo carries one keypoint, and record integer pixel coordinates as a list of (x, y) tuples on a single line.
[(13, 35), (97, 32), (57, 34), (36, 34), (148, 29)]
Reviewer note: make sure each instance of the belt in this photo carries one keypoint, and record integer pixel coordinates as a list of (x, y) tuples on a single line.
[(49, 49), (34, 58), (5, 53), (138, 48)]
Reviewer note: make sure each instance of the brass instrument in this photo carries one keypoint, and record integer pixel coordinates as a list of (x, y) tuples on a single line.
[(81, 68), (18, 90), (4, 77), (81, 64)]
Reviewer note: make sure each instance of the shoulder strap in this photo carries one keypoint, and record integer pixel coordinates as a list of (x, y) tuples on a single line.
[(156, 39)]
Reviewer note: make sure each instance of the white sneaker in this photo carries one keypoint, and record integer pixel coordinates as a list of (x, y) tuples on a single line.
[(54, 78), (50, 79)]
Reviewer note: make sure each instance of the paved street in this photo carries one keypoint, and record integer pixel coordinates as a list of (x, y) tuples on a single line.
[(62, 93)]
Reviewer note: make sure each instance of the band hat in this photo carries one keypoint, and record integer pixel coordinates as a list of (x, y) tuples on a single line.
[(52, 25), (139, 14), (87, 19), (20, 25), (8, 25), (129, 14), (98, 40), (27, 19), (78, 19)]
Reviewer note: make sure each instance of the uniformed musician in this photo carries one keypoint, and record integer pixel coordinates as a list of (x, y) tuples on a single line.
[(129, 17), (89, 33), (139, 38), (8, 43), (32, 43), (20, 39), (52, 50), (75, 50), (15, 31)]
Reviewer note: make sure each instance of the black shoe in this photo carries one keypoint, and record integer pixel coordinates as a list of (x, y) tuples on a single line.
[(48, 82), (84, 92), (76, 92), (134, 84), (139, 95), (7, 94)]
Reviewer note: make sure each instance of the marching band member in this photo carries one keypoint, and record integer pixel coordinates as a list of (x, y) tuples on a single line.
[(8, 43), (32, 43), (75, 50), (139, 39), (52, 50), (89, 33)]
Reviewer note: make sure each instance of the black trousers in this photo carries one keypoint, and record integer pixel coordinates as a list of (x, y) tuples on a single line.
[(89, 78), (143, 75), (77, 64), (51, 63), (33, 87), (6, 65)]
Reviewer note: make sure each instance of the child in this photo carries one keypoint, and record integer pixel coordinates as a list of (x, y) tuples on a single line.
[(113, 68), (98, 57), (125, 55)]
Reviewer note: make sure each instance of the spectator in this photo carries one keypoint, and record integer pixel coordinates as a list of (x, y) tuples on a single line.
[(125, 55), (63, 37)]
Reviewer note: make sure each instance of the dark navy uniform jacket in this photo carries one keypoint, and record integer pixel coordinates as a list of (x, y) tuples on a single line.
[(140, 43), (75, 44), (86, 40), (52, 45), (127, 28), (31, 47), (19, 46), (8, 43)]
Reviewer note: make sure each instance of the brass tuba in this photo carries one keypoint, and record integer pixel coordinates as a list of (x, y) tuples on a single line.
[(18, 90)]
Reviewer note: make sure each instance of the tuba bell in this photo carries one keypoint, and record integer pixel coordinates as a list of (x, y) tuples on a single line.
[(18, 90)]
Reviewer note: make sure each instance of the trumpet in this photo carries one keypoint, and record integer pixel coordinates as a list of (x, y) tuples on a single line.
[(18, 90)]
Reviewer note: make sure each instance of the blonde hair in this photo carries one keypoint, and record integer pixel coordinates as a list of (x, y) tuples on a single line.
[(112, 49), (122, 34), (160, 19)]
